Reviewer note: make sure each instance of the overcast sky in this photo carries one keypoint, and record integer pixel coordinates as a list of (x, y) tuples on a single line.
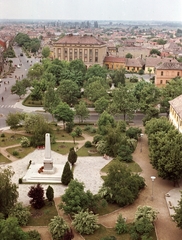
[(165, 10)]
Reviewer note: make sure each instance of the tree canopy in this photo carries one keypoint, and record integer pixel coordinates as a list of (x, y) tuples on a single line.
[(8, 191), (122, 187)]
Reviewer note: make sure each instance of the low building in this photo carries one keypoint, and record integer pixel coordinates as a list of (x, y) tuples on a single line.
[(89, 49), (134, 64), (151, 63), (167, 71), (114, 63), (175, 113)]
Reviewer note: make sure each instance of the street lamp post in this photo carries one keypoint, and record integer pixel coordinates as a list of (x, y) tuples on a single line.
[(152, 178), (141, 134)]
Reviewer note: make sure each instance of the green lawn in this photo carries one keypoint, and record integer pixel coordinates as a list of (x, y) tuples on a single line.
[(22, 152), (84, 152), (42, 217), (133, 166), (61, 134), (10, 139), (104, 232), (4, 159), (62, 147)]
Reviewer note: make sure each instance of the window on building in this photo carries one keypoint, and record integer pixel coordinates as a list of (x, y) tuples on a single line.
[(162, 73), (96, 59), (161, 82), (178, 74), (90, 59)]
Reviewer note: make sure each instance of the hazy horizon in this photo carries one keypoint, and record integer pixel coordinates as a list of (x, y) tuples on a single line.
[(100, 10)]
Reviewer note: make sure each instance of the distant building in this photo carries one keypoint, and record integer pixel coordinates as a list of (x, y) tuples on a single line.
[(151, 63), (114, 63), (175, 113), (134, 64), (87, 48), (167, 71)]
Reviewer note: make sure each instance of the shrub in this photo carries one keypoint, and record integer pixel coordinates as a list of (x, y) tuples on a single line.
[(15, 153), (88, 144), (78, 131), (37, 195), (25, 142), (34, 234), (21, 213), (85, 222), (58, 227), (121, 226), (93, 130), (67, 174), (2, 135), (50, 193), (87, 128)]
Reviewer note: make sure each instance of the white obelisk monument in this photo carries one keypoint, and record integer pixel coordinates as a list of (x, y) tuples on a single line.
[(48, 162)]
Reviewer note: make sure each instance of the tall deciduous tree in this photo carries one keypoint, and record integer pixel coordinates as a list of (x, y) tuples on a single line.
[(76, 199), (19, 88), (67, 174), (105, 121), (81, 111), (68, 91), (46, 52), (95, 90), (97, 71), (8, 191), (119, 77), (172, 90), (51, 100), (124, 102), (166, 153), (38, 127), (36, 71), (101, 104), (122, 186), (64, 113), (147, 95)]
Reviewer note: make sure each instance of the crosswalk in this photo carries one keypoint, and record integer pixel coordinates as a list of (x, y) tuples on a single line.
[(7, 106)]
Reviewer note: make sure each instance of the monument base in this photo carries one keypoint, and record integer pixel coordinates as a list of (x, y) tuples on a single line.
[(46, 176)]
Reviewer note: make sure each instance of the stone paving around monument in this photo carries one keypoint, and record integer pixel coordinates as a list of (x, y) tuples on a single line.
[(87, 170)]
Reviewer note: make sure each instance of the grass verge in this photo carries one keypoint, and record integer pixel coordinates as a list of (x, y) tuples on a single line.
[(133, 166), (84, 152), (42, 217), (62, 147), (20, 152), (3, 159)]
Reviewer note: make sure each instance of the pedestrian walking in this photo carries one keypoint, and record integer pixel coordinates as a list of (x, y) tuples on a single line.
[(2, 99)]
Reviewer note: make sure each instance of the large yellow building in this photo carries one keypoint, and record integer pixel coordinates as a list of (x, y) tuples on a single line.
[(87, 48)]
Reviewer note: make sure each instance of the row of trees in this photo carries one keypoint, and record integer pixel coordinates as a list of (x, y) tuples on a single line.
[(25, 41)]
